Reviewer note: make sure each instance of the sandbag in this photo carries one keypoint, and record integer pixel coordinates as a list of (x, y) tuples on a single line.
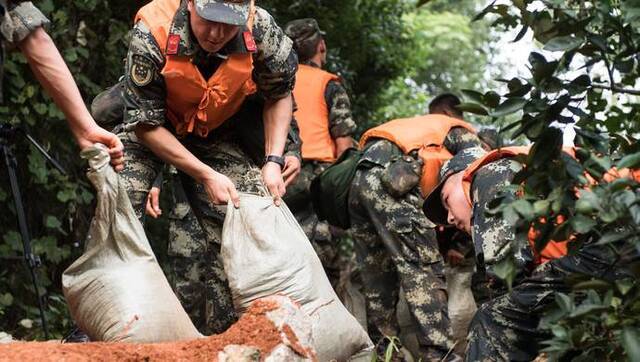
[(462, 305), (265, 252), (116, 290)]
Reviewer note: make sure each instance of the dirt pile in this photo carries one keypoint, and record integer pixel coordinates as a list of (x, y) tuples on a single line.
[(272, 329)]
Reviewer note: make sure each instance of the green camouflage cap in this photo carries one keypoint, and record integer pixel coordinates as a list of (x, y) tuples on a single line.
[(432, 207), (305, 33), (233, 12)]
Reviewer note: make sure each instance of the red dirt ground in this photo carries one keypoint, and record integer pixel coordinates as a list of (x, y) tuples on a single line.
[(253, 329)]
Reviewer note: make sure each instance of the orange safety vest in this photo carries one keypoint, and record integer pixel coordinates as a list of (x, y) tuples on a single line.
[(425, 134), (195, 104), (313, 113)]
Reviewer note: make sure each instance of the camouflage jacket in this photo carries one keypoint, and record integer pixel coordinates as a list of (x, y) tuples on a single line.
[(275, 64), (494, 238), (401, 175), (17, 20), (341, 123)]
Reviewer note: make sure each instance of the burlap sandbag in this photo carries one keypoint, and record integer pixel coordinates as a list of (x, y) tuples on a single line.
[(116, 290), (265, 252)]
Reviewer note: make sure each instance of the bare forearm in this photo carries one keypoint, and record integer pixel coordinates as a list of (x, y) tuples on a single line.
[(166, 146), (277, 120), (54, 75)]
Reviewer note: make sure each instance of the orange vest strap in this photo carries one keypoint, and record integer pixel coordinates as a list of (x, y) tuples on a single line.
[(313, 113)]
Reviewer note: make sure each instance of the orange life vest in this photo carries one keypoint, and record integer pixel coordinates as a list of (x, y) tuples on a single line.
[(425, 134), (195, 104), (313, 113)]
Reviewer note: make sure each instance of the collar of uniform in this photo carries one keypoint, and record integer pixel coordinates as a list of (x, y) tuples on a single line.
[(189, 45), (311, 63)]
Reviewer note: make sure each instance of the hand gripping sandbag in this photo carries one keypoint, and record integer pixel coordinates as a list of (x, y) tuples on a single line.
[(116, 290), (265, 252)]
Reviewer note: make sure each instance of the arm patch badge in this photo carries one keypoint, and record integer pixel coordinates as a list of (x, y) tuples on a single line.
[(142, 70)]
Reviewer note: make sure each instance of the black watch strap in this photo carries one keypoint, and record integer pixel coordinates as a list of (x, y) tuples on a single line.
[(275, 159)]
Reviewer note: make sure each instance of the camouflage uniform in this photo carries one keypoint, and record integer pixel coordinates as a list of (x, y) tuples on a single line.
[(306, 33), (17, 21), (341, 124), (196, 246), (396, 246), (505, 327)]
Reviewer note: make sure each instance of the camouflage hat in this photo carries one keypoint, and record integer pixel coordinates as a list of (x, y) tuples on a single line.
[(233, 12), (432, 207), (305, 33)]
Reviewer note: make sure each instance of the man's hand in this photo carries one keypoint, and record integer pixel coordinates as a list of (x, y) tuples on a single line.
[(97, 134), (220, 189), (272, 178), (291, 169), (153, 203)]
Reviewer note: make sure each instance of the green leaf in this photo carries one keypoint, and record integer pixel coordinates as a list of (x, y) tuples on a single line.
[(474, 96), (582, 224), (563, 43), (565, 302), (474, 108), (491, 99), (6, 299), (509, 106), (52, 222), (624, 285), (630, 338), (630, 161), (506, 270), (524, 208)]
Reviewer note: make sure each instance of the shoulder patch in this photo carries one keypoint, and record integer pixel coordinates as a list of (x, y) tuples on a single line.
[(141, 70)]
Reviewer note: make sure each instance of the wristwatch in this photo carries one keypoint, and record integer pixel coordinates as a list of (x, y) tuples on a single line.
[(275, 159)]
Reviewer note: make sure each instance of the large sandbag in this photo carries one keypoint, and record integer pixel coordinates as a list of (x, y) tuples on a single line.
[(116, 290), (265, 252)]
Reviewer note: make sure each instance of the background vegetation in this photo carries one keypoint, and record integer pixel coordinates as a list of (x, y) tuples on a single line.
[(393, 56)]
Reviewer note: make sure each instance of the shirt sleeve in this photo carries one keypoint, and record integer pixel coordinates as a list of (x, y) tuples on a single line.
[(19, 20), (493, 236), (341, 123), (144, 89), (460, 138), (275, 63), (293, 147)]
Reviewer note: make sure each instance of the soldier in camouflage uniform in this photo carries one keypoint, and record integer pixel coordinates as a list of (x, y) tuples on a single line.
[(22, 25), (339, 128), (396, 245), (195, 271), (146, 108), (506, 326)]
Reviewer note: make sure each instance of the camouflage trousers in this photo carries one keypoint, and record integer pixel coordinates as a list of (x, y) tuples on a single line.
[(320, 234), (396, 247), (507, 328), (195, 224)]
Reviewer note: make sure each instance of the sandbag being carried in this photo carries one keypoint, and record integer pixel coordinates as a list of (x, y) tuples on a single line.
[(265, 252), (116, 290)]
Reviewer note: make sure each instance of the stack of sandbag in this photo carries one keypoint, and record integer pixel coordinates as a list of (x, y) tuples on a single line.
[(265, 252), (116, 290)]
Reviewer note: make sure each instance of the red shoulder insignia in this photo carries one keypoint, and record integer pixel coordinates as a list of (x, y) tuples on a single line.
[(173, 44), (249, 42)]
